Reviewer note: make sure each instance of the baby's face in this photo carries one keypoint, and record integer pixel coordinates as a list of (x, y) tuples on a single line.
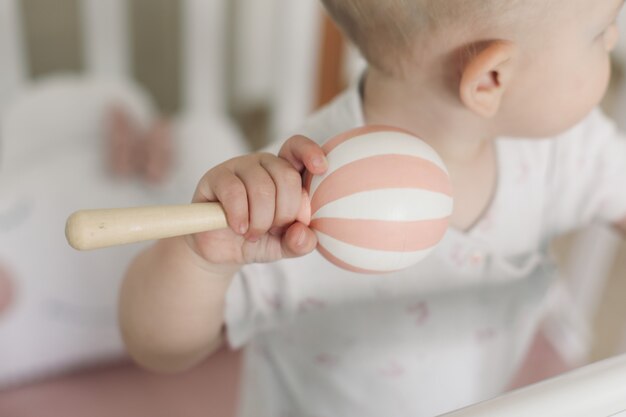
[(564, 68)]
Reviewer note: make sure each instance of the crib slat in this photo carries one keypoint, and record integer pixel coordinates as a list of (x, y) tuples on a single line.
[(590, 261), (13, 68), (203, 55), (106, 38), (297, 45), (252, 46)]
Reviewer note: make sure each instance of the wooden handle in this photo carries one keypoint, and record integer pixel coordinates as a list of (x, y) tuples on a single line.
[(99, 228)]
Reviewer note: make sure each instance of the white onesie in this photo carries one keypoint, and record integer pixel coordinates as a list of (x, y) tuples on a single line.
[(448, 332)]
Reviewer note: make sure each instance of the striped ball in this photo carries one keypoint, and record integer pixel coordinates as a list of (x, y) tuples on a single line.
[(384, 202)]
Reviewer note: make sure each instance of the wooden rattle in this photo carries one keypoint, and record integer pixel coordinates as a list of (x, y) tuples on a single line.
[(382, 205)]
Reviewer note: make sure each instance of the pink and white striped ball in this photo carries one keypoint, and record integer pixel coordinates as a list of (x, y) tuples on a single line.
[(384, 202)]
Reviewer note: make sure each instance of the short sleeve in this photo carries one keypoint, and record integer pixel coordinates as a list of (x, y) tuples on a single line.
[(238, 330), (587, 175), (256, 301)]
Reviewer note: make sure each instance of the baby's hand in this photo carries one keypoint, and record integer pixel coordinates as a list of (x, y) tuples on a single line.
[(262, 196)]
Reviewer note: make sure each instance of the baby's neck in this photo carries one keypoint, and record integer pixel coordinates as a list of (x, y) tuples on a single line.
[(427, 110), (464, 142)]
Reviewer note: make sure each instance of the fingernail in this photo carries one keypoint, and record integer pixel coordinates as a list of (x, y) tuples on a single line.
[(301, 238), (318, 162), (304, 213), (243, 228)]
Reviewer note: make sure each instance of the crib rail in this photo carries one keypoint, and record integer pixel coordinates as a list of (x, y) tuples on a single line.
[(597, 390)]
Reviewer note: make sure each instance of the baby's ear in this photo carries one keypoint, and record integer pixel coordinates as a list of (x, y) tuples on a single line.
[(486, 74)]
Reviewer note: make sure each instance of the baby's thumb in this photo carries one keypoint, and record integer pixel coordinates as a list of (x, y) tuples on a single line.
[(298, 240)]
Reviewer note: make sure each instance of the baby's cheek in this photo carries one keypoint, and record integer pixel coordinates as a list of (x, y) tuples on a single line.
[(590, 88)]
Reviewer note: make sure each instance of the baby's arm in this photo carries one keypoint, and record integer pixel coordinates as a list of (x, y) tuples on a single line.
[(172, 298)]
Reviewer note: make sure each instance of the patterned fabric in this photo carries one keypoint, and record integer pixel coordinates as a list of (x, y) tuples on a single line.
[(445, 333)]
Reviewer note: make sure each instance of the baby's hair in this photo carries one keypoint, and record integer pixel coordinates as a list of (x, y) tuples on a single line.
[(383, 30)]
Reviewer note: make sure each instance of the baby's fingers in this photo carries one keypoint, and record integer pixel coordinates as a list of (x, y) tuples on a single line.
[(302, 153), (261, 193), (223, 185), (288, 190)]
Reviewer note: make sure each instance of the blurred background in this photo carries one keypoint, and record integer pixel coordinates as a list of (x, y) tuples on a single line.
[(127, 102), (121, 103)]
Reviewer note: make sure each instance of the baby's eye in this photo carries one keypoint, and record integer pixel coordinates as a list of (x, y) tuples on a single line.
[(610, 36)]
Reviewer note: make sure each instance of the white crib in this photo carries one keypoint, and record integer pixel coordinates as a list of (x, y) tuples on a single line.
[(64, 313)]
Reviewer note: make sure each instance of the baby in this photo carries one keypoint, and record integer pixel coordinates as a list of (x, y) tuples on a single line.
[(506, 92)]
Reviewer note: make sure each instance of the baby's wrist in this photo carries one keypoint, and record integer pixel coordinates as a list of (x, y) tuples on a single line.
[(192, 255)]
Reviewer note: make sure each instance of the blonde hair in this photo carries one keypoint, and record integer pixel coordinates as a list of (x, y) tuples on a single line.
[(385, 30)]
